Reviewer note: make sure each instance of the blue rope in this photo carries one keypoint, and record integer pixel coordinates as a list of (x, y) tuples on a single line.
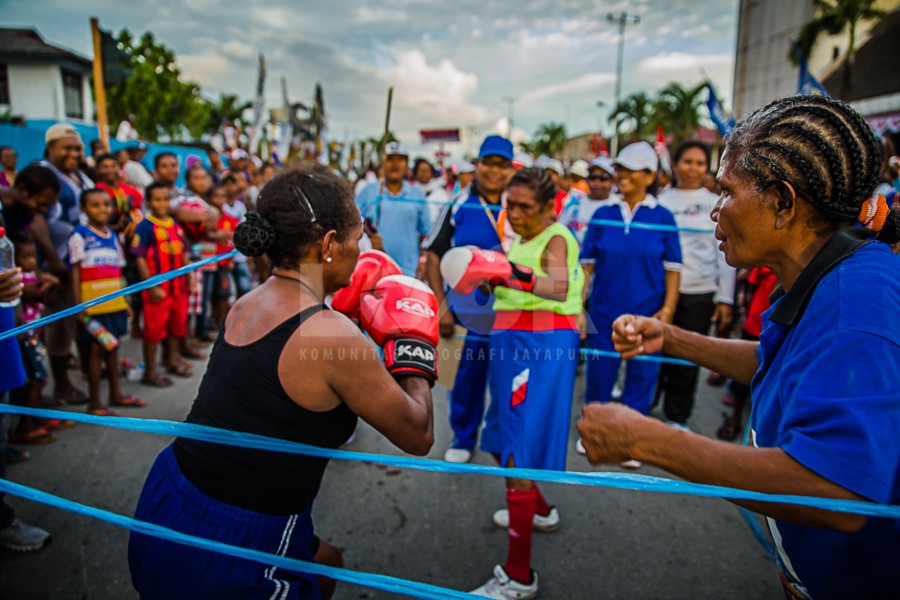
[(605, 222), (624, 481), (372, 580), (594, 352), (137, 287)]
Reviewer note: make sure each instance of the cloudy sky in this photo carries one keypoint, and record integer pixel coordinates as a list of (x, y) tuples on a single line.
[(452, 64)]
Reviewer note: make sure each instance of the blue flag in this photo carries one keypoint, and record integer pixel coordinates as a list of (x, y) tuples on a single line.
[(807, 82), (723, 122)]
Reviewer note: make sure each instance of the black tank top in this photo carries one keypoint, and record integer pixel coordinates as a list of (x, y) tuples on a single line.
[(241, 391)]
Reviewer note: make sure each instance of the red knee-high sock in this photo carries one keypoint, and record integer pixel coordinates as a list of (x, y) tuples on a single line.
[(542, 507), (521, 505)]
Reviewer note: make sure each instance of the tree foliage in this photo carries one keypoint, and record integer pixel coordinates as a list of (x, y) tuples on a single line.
[(549, 139), (637, 114), (834, 17), (228, 106), (678, 109), (162, 104)]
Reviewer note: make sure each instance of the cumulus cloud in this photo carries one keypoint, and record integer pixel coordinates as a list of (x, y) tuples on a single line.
[(679, 66), (591, 81)]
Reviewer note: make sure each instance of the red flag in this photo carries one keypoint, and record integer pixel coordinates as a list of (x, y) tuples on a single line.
[(604, 151), (662, 151)]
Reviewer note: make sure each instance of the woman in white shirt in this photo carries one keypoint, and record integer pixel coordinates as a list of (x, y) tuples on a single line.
[(706, 292)]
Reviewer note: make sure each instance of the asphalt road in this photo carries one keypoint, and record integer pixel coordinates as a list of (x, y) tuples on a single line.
[(428, 527)]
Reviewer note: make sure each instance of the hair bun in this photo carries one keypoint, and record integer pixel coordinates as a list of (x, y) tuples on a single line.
[(254, 236)]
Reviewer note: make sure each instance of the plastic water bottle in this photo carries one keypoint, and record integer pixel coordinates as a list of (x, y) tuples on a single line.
[(7, 260), (100, 333)]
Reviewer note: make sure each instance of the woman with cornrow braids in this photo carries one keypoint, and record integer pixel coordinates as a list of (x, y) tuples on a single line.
[(798, 178)]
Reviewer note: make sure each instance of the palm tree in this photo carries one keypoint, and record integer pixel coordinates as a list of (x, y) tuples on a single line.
[(637, 108), (549, 139), (834, 17), (226, 107), (678, 109)]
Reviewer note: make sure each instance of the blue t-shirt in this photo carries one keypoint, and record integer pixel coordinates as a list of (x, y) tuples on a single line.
[(400, 220), (827, 393), (630, 264), (12, 375)]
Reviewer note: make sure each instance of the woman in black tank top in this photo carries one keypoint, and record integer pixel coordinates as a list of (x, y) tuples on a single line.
[(275, 371)]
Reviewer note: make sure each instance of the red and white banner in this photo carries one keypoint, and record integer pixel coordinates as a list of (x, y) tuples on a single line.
[(439, 135)]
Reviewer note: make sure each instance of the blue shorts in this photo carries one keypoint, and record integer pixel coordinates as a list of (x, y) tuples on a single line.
[(116, 323), (532, 377), (165, 570)]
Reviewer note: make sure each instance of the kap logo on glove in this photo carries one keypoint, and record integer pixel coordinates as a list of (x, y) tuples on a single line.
[(414, 306)]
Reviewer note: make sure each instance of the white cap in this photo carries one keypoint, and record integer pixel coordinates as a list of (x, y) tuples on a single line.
[(541, 161), (59, 131), (395, 149), (522, 160), (465, 166), (605, 163), (554, 165), (639, 156), (580, 168)]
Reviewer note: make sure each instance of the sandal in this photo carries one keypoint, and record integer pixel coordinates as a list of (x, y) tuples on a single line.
[(52, 402), (180, 370), (730, 428), (103, 412), (34, 437), (58, 424), (129, 402), (75, 396), (157, 380), (192, 354), (15, 455)]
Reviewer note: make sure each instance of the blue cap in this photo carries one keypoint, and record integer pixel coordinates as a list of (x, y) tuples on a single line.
[(495, 145)]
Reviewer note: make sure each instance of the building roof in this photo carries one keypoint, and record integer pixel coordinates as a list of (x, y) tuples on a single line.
[(27, 44), (874, 73)]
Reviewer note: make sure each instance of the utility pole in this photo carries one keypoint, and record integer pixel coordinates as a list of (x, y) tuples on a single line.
[(512, 103), (622, 19)]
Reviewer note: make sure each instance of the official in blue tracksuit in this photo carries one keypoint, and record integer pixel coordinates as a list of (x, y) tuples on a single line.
[(634, 270), (473, 218)]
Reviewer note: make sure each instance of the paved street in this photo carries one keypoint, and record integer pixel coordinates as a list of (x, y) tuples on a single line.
[(428, 527)]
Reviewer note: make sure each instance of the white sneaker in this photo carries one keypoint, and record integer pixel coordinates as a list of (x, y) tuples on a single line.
[(579, 448), (540, 523), (632, 464), (500, 586), (677, 425), (457, 455), (20, 537)]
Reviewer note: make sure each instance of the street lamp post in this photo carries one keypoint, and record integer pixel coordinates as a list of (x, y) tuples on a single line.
[(512, 102), (622, 19)]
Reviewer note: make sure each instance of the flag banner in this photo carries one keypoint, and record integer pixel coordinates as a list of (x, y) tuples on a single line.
[(807, 82), (662, 151), (723, 122), (439, 135), (259, 106), (115, 60)]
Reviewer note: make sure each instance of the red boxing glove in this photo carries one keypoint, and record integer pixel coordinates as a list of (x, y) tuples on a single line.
[(401, 316), (372, 266), (469, 267)]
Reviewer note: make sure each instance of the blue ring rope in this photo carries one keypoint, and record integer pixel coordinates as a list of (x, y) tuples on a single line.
[(137, 287), (595, 352), (624, 481), (605, 222), (372, 580)]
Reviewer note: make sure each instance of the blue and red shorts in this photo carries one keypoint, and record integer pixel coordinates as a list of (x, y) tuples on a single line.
[(532, 376), (163, 570)]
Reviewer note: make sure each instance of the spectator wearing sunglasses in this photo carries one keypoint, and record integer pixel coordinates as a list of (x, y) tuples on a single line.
[(580, 208)]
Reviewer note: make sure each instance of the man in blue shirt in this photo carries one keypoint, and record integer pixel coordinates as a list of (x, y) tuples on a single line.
[(474, 217), (395, 211)]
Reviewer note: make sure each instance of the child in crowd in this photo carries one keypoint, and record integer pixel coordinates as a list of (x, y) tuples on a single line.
[(96, 260), (159, 246), (32, 430), (216, 280), (234, 211)]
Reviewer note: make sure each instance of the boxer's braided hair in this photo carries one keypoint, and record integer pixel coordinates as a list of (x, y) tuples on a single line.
[(822, 147), (284, 225), (538, 181)]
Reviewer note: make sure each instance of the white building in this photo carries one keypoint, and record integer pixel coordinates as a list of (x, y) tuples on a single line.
[(766, 29), (40, 81)]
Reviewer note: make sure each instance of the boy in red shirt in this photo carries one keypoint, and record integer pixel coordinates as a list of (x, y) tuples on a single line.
[(159, 246)]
